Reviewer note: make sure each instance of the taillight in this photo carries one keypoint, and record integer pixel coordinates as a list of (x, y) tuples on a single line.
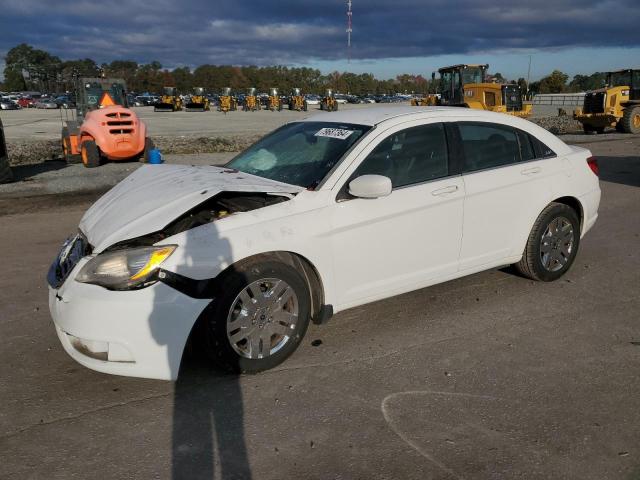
[(593, 165)]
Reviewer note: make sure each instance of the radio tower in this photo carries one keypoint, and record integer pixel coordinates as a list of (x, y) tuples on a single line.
[(349, 30)]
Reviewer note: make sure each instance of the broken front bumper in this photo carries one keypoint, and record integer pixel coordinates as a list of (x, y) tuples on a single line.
[(138, 333)]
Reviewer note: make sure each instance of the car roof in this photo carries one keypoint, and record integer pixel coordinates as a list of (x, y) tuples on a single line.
[(373, 116)]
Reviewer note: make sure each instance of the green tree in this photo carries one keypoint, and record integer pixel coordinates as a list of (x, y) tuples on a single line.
[(554, 83)]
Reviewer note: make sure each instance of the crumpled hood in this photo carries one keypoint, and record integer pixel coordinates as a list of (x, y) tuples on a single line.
[(154, 195)]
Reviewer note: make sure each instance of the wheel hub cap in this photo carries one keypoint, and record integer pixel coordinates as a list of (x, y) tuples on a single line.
[(556, 244), (262, 318)]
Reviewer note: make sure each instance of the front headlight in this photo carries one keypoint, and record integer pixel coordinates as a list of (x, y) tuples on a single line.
[(124, 269)]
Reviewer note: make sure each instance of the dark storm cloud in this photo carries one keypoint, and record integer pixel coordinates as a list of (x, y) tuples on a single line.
[(193, 32)]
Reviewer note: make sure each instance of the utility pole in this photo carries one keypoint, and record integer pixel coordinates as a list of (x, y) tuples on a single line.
[(349, 30), (528, 74)]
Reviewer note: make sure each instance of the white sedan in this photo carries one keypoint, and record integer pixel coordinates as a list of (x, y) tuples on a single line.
[(323, 214)]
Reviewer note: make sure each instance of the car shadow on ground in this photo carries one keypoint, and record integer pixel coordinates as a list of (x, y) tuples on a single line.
[(23, 173), (622, 170)]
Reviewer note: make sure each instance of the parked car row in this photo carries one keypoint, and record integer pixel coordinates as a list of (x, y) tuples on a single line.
[(16, 101)]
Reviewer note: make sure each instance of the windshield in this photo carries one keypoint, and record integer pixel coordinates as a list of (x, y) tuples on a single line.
[(620, 79), (472, 75), (300, 153)]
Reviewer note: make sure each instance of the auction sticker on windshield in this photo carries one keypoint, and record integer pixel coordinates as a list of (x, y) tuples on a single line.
[(338, 133)]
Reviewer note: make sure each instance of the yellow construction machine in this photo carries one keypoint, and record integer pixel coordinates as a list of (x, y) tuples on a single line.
[(251, 101), (328, 102), (169, 102), (616, 105), (297, 101), (199, 102), (227, 102), (274, 102), (429, 100), (466, 86)]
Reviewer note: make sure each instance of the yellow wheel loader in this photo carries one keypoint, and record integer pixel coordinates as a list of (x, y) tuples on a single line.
[(429, 100), (169, 102), (199, 102), (274, 102), (466, 86), (227, 102), (251, 101), (328, 102), (297, 101), (616, 105)]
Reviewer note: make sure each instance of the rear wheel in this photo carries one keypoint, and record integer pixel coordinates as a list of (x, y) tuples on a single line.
[(552, 245), (631, 120), (65, 141), (146, 153), (90, 154), (305, 107), (258, 319)]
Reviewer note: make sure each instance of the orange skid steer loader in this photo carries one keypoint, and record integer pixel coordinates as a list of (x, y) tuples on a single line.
[(104, 128)]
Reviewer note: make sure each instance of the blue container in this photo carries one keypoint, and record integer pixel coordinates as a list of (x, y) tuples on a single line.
[(155, 157)]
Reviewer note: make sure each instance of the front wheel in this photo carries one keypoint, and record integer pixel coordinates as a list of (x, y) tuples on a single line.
[(258, 319), (552, 245), (146, 153), (631, 120), (90, 154)]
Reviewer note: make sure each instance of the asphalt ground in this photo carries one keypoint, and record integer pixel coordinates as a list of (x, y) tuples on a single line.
[(486, 377)]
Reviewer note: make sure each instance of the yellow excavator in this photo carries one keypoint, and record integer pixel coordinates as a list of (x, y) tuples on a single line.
[(169, 102), (227, 102), (616, 105), (199, 102), (328, 102), (465, 85), (297, 101), (251, 101)]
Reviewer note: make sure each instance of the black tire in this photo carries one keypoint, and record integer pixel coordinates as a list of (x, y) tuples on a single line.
[(631, 120), (211, 331), (321, 105), (531, 265), (65, 143), (290, 106), (587, 129), (90, 154), (148, 146), (620, 127), (305, 107), (279, 106)]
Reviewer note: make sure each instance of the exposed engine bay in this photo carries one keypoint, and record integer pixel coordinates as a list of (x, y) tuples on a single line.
[(215, 208)]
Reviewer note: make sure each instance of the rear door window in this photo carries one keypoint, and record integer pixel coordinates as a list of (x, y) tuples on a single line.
[(488, 145)]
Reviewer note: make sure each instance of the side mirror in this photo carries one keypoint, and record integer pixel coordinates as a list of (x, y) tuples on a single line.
[(370, 186)]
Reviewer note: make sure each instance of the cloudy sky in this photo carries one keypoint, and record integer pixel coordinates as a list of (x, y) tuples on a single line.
[(389, 36)]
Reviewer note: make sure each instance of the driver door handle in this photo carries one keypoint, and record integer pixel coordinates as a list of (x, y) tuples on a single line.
[(531, 171), (445, 190)]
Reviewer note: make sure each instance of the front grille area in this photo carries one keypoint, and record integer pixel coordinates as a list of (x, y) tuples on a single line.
[(120, 119), (74, 249), (594, 102), (512, 98)]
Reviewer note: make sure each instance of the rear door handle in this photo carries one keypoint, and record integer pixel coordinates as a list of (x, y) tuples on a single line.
[(445, 190), (531, 171)]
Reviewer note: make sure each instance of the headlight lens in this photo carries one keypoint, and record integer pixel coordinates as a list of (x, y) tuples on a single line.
[(125, 269)]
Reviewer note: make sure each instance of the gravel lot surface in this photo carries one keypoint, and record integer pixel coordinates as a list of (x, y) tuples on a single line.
[(490, 376)]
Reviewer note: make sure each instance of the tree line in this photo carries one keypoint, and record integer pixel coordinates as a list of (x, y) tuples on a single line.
[(28, 68)]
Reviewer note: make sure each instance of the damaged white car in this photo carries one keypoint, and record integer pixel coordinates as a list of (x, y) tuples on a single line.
[(324, 214)]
